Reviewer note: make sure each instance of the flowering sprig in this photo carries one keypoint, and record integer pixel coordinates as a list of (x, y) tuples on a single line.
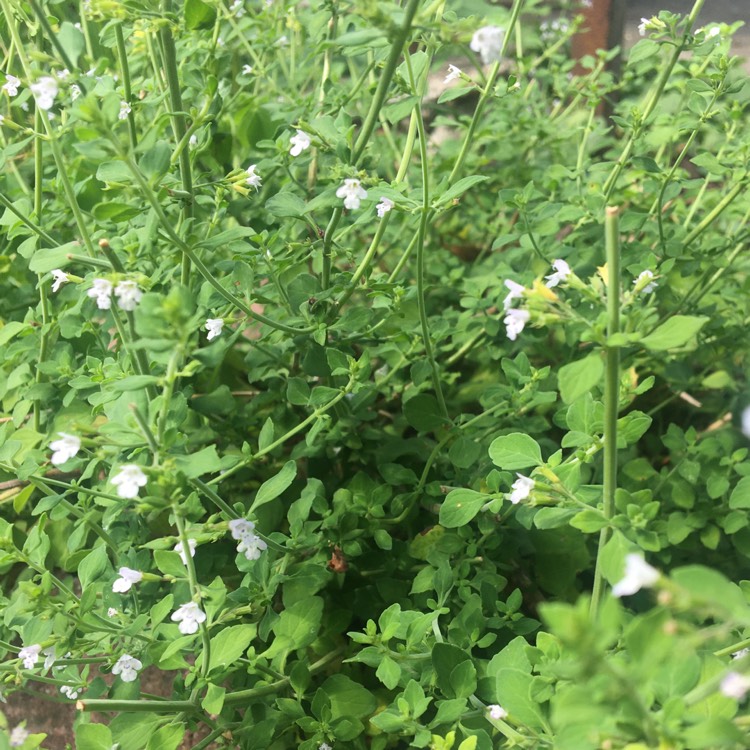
[(352, 193), (65, 448)]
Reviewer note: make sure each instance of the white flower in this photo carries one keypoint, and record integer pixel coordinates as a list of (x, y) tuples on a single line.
[(453, 73), (63, 74), (30, 655), (352, 192), (247, 70), (488, 42), (10, 87), (70, 691), (60, 278), (638, 574), (49, 656), (710, 32), (214, 326), (514, 321), (111, 612), (128, 295), (325, 746), (384, 206), (180, 550), (643, 25), (102, 291), (75, 91), (745, 422), (65, 448), (521, 488), (497, 712), (238, 8), (18, 736), (641, 283), (562, 271), (741, 653), (124, 110), (253, 179), (282, 41), (127, 578), (193, 141), (189, 616), (516, 292), (128, 480), (735, 685), (300, 141), (250, 544), (44, 91), (240, 528), (127, 667)]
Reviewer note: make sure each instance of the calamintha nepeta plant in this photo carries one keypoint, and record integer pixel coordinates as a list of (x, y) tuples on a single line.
[(365, 378)]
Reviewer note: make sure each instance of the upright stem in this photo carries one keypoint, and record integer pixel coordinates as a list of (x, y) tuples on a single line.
[(125, 70), (41, 284), (652, 101), (179, 126), (421, 234), (385, 80), (611, 394)]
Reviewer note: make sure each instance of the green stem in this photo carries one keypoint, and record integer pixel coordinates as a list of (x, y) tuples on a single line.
[(385, 80), (179, 127), (195, 592), (169, 383), (653, 100), (44, 23), (486, 93), (276, 443), (28, 222), (42, 286), (197, 262), (134, 706), (611, 395), (125, 70), (722, 205), (421, 235)]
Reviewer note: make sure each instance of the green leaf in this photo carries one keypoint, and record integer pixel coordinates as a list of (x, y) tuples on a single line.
[(48, 258), (285, 205), (454, 93), (155, 162), (459, 188), (11, 329), (348, 698), (199, 15), (740, 497), (675, 332), (460, 507), (463, 680), (166, 738), (273, 487), (267, 432), (169, 563), (205, 461), (93, 737), (388, 672), (422, 412), (161, 609), (229, 644), (579, 377), (445, 658), (134, 383), (515, 451), (113, 172), (213, 701), (93, 567), (71, 40), (297, 626)]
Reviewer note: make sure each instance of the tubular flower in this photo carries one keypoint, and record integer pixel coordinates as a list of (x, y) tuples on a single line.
[(521, 489), (127, 667), (60, 278), (214, 326), (190, 616), (180, 550), (65, 448), (638, 574), (300, 141), (488, 42), (102, 292), (127, 578), (129, 480), (352, 192), (30, 655), (562, 271), (515, 322), (128, 295)]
